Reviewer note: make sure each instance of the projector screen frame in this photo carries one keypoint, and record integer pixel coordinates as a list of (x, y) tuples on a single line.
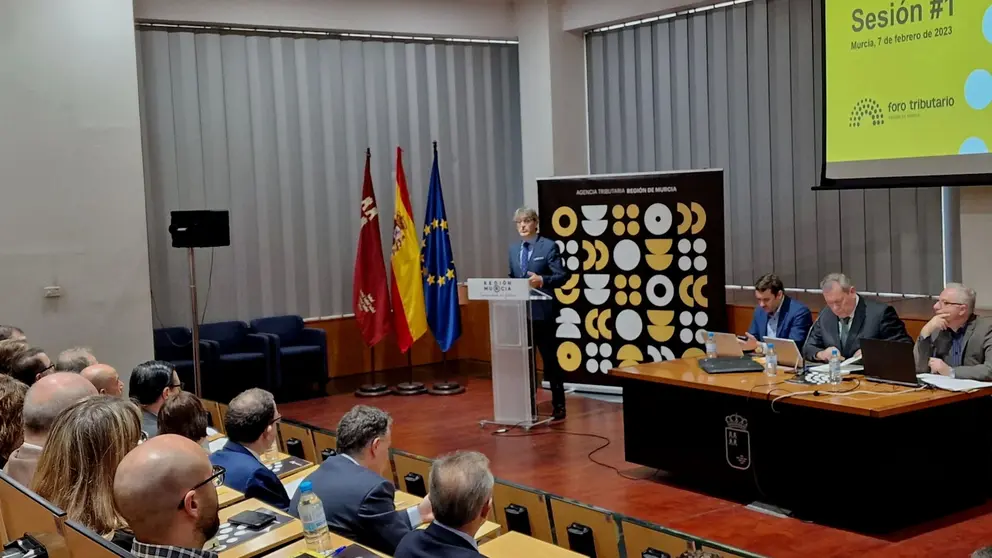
[(879, 182)]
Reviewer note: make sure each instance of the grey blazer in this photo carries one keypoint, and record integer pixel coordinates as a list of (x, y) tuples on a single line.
[(22, 464), (976, 361)]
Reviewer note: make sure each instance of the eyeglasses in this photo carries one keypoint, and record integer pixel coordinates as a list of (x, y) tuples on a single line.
[(143, 438), (949, 303), (180, 385), (275, 420), (46, 369), (217, 479)]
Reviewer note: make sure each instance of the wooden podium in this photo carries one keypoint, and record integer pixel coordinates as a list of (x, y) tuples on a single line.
[(514, 369)]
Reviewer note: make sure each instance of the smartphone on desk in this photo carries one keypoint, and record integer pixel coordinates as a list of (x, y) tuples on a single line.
[(252, 519)]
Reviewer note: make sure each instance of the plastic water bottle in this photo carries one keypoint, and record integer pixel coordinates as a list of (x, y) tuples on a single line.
[(835, 367), (311, 512), (771, 361), (710, 345)]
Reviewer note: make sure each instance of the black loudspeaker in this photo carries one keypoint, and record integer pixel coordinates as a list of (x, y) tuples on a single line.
[(294, 447), (415, 485), (517, 519), (655, 553), (326, 454), (200, 229), (580, 539)]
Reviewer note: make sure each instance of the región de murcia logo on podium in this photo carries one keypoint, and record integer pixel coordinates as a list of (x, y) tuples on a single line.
[(496, 287), (738, 442)]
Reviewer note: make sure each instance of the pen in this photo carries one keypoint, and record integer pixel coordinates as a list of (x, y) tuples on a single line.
[(338, 551)]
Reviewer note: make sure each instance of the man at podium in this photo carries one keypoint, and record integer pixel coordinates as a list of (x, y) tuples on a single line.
[(537, 258)]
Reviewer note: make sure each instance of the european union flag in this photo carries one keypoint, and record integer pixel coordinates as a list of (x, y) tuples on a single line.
[(438, 262)]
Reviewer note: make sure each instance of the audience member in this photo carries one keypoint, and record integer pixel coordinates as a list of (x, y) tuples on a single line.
[(74, 360), (167, 492), (76, 468), (358, 501), (105, 379), (151, 383), (11, 332), (11, 408), (251, 430), (42, 404), (9, 351), (461, 495), (30, 365), (956, 342), (985, 552), (184, 415)]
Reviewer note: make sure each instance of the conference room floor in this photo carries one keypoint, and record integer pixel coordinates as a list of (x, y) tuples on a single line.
[(556, 461)]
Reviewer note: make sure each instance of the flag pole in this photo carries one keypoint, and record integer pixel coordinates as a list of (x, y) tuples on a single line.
[(446, 387), (410, 387), (373, 388)]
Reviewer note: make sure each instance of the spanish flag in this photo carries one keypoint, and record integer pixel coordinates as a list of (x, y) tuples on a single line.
[(406, 283)]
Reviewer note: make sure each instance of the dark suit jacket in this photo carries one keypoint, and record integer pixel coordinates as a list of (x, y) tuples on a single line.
[(872, 320), (435, 542), (545, 260), (358, 504), (976, 361), (794, 320), (22, 464), (246, 474)]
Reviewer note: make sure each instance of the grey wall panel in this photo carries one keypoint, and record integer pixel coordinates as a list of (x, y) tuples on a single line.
[(740, 87), (275, 128)]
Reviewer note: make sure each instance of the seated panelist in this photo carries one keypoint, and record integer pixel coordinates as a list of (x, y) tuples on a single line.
[(777, 315), (848, 319), (956, 342)]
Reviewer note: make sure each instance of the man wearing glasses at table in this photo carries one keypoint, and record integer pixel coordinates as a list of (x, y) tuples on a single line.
[(250, 424), (166, 490), (956, 342)]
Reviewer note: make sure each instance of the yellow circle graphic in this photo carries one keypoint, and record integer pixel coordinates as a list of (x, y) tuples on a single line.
[(620, 281), (635, 299), (633, 228), (573, 221), (633, 211), (635, 281), (618, 228), (617, 211), (621, 298), (692, 352), (569, 356)]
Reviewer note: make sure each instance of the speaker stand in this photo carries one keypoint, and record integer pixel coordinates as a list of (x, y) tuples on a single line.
[(196, 323)]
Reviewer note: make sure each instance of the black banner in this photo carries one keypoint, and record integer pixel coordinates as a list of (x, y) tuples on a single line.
[(646, 258)]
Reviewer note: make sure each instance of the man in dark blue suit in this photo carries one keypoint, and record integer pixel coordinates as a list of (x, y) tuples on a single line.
[(777, 315), (537, 259), (358, 501), (462, 495), (251, 430)]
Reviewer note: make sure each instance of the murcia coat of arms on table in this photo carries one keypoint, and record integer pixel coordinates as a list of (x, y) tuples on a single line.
[(738, 442)]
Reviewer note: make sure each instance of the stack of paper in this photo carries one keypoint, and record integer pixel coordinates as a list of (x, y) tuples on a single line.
[(952, 384), (846, 367)]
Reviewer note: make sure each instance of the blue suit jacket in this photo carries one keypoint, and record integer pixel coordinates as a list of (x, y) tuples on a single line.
[(794, 320), (545, 260), (246, 474), (358, 504), (435, 542)]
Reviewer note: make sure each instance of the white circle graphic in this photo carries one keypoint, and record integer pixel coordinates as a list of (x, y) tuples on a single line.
[(651, 287), (606, 350), (573, 263), (685, 318), (699, 245), (591, 349), (572, 246), (658, 219), (627, 254), (686, 335), (685, 245), (700, 263), (685, 262), (592, 365), (702, 319), (628, 325)]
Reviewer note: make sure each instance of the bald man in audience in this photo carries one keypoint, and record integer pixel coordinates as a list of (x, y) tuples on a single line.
[(166, 490), (44, 401), (74, 360), (104, 378)]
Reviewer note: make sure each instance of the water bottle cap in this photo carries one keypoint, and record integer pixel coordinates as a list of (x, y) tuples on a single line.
[(834, 352), (306, 486), (709, 334)]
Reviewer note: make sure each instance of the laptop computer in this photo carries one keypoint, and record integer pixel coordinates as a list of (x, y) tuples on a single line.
[(889, 362), (787, 352), (727, 345)]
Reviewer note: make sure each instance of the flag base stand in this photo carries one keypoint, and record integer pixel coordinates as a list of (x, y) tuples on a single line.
[(410, 388), (446, 388), (372, 390)]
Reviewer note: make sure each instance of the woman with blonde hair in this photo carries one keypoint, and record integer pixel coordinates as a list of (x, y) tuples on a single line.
[(12, 395), (76, 469)]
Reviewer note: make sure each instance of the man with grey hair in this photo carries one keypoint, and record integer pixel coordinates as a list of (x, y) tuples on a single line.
[(956, 342), (11, 332), (44, 400), (250, 424), (358, 501), (462, 495), (847, 319), (74, 360), (538, 260)]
